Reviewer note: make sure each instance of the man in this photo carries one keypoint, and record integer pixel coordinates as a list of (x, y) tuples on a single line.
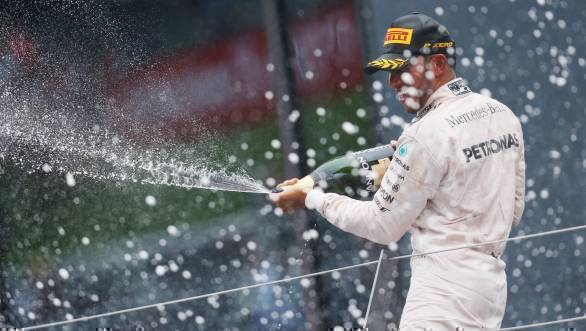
[(456, 178)]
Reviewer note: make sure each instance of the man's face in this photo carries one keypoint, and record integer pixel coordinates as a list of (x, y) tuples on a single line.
[(413, 84)]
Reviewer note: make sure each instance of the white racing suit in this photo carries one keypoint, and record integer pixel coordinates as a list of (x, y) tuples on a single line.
[(456, 178)]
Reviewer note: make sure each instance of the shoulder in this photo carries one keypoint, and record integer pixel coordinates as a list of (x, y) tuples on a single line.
[(459, 113), (448, 117), (494, 107), (422, 140)]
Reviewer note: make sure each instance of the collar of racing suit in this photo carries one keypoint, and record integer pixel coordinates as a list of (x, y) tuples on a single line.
[(453, 88)]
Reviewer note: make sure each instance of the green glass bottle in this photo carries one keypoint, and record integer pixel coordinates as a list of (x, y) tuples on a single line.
[(364, 162)]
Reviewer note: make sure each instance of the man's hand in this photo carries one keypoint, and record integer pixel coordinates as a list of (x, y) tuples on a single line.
[(292, 197)]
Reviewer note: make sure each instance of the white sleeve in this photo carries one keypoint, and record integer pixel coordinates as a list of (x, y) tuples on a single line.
[(411, 180), (520, 182)]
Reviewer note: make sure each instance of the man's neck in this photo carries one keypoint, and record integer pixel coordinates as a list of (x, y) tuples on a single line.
[(441, 81), (435, 85)]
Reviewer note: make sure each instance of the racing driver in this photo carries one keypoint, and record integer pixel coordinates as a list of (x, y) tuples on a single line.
[(457, 178)]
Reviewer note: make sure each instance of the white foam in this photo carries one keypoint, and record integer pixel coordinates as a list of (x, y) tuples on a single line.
[(37, 139)]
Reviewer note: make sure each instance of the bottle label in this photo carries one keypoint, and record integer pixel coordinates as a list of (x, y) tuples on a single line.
[(369, 178)]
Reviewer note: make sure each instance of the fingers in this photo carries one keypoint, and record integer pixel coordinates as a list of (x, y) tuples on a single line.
[(394, 144), (287, 206), (288, 182), (289, 200), (274, 196)]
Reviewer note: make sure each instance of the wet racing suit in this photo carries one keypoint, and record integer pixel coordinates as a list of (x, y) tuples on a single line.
[(456, 178)]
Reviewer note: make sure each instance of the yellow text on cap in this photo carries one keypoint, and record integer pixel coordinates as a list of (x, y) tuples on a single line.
[(398, 36)]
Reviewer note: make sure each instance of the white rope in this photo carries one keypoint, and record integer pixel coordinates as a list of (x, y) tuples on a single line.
[(289, 279), (529, 326), (160, 304), (380, 259)]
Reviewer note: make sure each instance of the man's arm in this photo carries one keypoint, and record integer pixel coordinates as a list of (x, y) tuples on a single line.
[(410, 181), (520, 182)]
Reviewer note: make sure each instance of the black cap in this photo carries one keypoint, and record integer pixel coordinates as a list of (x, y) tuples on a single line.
[(414, 34)]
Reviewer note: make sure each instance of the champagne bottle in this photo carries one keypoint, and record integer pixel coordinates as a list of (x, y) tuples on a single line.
[(372, 161)]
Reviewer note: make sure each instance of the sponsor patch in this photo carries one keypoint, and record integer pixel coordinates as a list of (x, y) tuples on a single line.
[(459, 87), (489, 147), (383, 199), (385, 196), (395, 177), (401, 163), (396, 187), (421, 113), (447, 44), (403, 149), (477, 113), (380, 205), (398, 36)]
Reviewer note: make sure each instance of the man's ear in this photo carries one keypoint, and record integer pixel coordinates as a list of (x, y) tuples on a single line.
[(439, 64)]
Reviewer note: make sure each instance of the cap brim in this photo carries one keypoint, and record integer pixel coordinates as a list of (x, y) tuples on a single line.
[(386, 62)]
